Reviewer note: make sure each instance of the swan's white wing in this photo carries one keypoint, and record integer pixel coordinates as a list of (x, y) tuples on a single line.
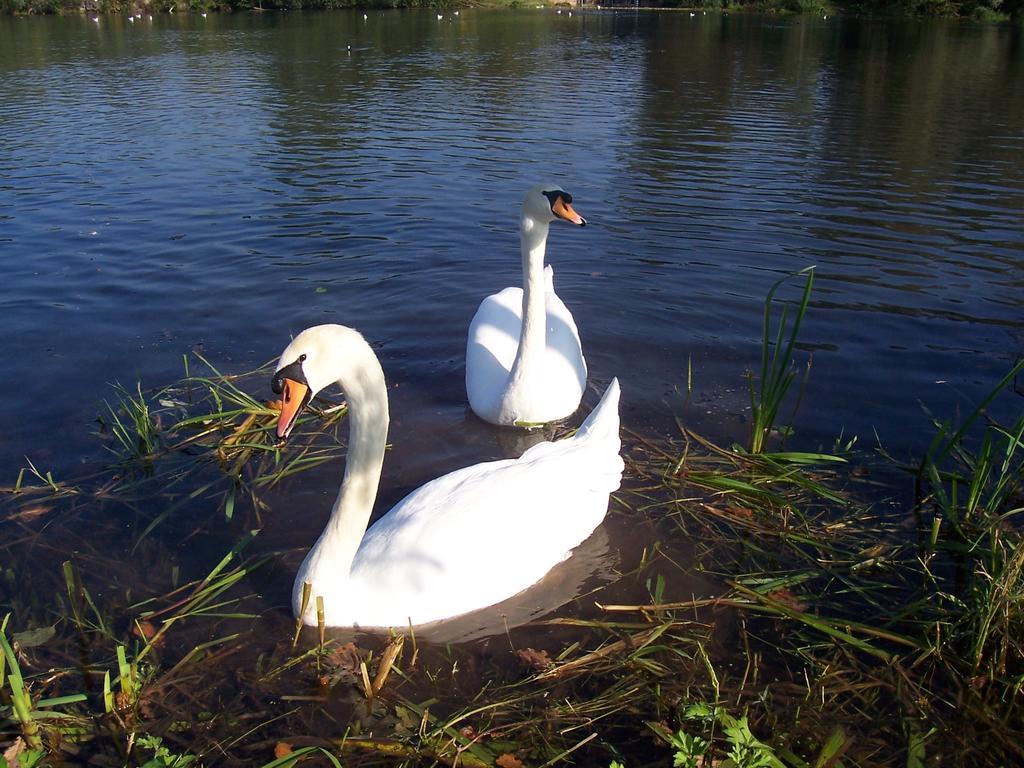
[(491, 349), (564, 364), (484, 533)]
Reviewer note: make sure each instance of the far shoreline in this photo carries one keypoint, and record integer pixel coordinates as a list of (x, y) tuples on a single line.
[(970, 10)]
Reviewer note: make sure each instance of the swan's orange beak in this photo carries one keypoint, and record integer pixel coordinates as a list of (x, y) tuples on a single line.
[(564, 210), (294, 395)]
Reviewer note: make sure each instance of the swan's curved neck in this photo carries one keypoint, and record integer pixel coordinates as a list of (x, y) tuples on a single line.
[(533, 237), (363, 384)]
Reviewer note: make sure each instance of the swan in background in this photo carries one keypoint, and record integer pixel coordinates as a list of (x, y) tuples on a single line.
[(524, 361), (464, 541)]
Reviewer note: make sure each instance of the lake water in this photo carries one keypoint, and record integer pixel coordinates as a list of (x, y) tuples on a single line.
[(224, 182)]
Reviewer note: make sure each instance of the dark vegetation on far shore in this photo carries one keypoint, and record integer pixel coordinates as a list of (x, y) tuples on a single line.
[(988, 10)]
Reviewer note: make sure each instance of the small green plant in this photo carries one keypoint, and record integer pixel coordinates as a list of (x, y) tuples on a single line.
[(688, 750), (28, 714), (162, 756), (24, 758), (128, 679), (45, 480), (745, 751), (21, 699), (693, 751)]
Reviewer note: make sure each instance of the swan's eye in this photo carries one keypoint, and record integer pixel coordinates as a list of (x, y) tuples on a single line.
[(302, 357)]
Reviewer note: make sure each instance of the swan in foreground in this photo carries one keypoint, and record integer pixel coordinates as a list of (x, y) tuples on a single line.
[(464, 541), (524, 362)]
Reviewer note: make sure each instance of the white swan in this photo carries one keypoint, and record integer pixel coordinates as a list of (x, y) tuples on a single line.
[(464, 541), (524, 362)]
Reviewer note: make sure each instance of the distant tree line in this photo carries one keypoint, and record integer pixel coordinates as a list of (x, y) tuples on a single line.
[(163, 6), (982, 9)]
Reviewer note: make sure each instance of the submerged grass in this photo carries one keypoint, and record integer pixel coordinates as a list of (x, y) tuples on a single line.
[(844, 632)]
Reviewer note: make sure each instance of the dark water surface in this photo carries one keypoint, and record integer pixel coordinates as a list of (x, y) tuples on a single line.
[(225, 182)]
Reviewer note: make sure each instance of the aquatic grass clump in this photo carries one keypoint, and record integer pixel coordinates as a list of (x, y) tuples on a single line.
[(132, 426), (173, 436), (777, 372), (973, 492), (838, 592), (846, 589), (166, 436), (177, 449), (32, 716), (807, 573), (202, 413), (119, 671)]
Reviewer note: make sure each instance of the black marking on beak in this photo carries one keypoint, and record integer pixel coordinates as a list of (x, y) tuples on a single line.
[(554, 194), (291, 371)]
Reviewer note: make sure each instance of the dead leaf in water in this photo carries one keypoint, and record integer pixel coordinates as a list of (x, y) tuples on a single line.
[(12, 752), (282, 749), (144, 629), (534, 658), (146, 706), (739, 511), (27, 514), (34, 637), (345, 657), (876, 551), (788, 599), (123, 701)]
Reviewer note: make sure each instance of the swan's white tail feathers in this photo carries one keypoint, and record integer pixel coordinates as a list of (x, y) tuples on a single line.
[(549, 279), (593, 452), (603, 421)]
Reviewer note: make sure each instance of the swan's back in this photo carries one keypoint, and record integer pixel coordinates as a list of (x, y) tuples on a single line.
[(482, 534)]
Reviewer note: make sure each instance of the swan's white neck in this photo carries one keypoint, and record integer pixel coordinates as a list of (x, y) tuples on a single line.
[(361, 379), (533, 238)]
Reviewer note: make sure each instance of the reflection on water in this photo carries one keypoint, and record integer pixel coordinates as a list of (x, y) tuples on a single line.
[(223, 183)]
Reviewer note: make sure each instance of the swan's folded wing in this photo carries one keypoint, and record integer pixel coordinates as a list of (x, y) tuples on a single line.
[(484, 533), (496, 327), (491, 349)]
